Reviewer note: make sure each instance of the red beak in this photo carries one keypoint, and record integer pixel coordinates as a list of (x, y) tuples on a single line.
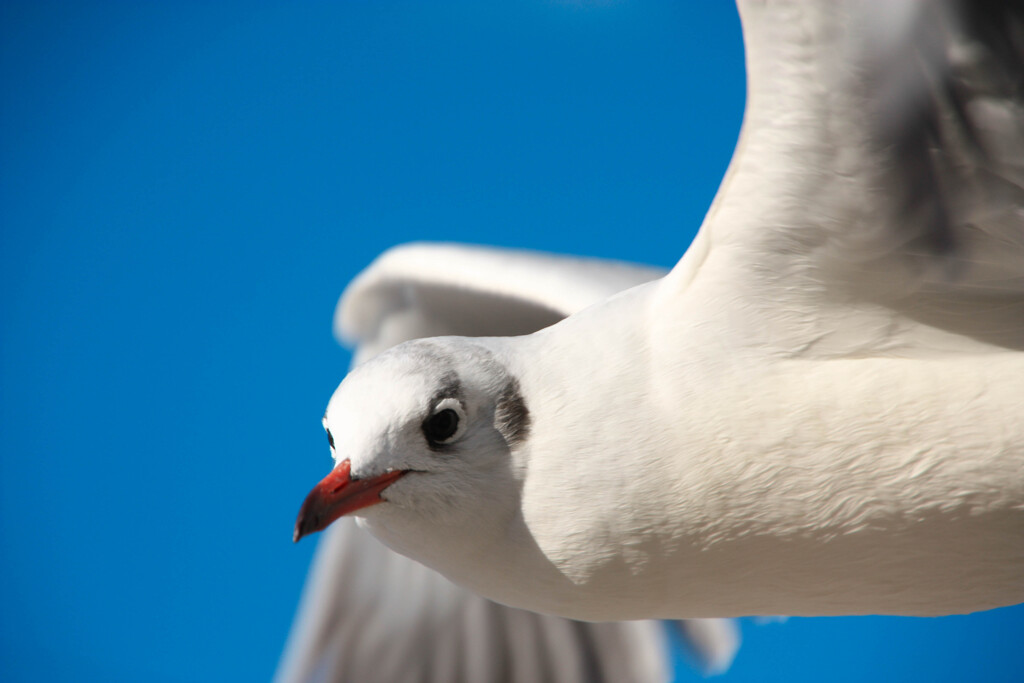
[(337, 495)]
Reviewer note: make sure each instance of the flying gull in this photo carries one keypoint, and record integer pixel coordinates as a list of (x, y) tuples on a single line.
[(816, 412)]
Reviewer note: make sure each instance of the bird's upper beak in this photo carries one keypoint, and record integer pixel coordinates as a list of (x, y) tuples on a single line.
[(339, 494)]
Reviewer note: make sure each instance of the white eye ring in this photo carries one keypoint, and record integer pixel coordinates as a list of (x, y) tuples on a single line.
[(446, 423)]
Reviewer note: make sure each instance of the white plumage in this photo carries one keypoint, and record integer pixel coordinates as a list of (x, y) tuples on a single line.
[(816, 412), (369, 614)]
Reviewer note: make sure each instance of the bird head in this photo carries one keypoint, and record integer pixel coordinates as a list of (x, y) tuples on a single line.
[(420, 434)]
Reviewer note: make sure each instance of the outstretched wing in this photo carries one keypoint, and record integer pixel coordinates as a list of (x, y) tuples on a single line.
[(369, 614), (429, 290), (874, 201)]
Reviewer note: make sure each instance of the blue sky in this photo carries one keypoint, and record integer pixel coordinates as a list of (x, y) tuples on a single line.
[(185, 190)]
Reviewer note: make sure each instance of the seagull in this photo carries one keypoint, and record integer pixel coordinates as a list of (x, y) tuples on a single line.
[(370, 614), (817, 411)]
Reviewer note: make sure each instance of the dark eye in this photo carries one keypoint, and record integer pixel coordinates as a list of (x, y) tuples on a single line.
[(330, 438), (441, 426)]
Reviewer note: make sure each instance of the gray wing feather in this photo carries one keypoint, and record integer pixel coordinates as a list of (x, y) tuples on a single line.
[(428, 290), (875, 201), (369, 614), (949, 114)]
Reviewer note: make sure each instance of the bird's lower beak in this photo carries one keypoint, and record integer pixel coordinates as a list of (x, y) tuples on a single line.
[(337, 495)]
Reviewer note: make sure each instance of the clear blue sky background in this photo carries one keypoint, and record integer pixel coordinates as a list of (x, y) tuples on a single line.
[(185, 189)]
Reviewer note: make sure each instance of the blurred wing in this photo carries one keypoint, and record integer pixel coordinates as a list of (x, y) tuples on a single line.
[(368, 614), (874, 201), (429, 290)]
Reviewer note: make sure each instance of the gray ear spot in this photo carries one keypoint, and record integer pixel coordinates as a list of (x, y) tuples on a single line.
[(511, 416)]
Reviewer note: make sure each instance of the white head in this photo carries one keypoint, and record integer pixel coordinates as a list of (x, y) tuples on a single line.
[(422, 437)]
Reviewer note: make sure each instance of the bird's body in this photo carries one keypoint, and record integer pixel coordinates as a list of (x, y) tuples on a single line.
[(801, 485)]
